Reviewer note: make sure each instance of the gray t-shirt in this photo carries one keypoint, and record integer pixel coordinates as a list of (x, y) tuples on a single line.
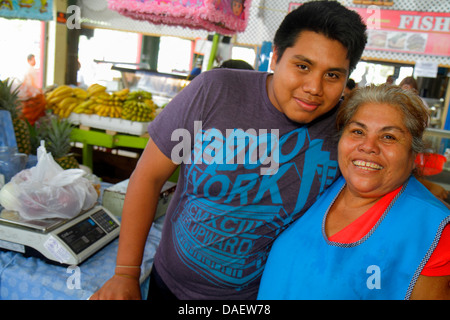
[(247, 172)]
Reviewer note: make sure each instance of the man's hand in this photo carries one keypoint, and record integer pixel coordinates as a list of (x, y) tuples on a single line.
[(119, 287)]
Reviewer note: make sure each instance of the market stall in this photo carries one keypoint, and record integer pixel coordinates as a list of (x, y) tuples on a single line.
[(109, 120), (50, 247), (98, 116)]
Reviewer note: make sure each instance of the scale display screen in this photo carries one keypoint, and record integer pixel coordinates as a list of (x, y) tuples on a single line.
[(88, 231)]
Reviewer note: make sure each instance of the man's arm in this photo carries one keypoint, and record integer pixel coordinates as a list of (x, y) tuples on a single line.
[(141, 200), (434, 188), (431, 288)]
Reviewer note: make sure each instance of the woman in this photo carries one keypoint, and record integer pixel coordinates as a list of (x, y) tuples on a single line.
[(374, 234), (409, 83)]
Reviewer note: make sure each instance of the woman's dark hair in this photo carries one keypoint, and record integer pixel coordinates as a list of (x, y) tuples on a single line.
[(329, 18)]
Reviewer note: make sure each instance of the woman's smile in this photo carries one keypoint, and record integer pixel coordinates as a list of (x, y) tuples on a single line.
[(367, 165)]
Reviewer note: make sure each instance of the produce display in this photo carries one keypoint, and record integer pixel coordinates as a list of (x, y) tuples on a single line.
[(56, 133), (9, 100), (34, 108), (139, 106), (64, 99), (134, 106)]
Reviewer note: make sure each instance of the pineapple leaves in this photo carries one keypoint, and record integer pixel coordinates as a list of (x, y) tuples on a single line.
[(56, 133)]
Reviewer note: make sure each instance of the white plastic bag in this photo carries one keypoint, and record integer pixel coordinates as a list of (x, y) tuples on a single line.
[(48, 191)]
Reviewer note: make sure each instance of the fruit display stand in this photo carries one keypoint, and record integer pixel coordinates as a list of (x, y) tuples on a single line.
[(110, 132), (91, 136), (109, 124), (111, 120)]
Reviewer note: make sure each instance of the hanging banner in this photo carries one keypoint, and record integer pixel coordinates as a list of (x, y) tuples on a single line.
[(375, 2), (404, 31), (223, 16), (407, 31), (27, 9)]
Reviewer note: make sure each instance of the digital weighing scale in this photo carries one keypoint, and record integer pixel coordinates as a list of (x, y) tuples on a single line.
[(67, 242)]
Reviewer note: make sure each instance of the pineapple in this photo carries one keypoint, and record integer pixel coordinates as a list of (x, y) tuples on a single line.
[(56, 133), (9, 100)]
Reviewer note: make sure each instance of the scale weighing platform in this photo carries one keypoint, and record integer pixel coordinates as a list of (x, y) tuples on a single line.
[(60, 241)]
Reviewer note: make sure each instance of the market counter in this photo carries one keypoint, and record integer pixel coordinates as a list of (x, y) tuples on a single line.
[(31, 278), (23, 278)]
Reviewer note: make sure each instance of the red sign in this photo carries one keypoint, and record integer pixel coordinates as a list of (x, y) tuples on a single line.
[(61, 17), (407, 31)]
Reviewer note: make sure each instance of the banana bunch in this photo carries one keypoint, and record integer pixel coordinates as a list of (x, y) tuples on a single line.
[(95, 89), (64, 99), (87, 106), (58, 94), (110, 105), (139, 106)]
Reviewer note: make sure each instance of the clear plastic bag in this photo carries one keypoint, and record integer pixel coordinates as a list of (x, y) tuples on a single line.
[(48, 191)]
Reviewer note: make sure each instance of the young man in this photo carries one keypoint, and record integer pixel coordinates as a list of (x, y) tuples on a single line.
[(255, 151)]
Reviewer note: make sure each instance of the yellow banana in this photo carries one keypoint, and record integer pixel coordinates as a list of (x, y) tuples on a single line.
[(78, 109), (67, 101), (57, 99), (95, 89), (103, 95), (83, 105), (73, 106), (100, 109), (103, 112), (83, 108), (59, 112), (91, 87), (66, 112), (60, 90), (80, 93), (122, 93)]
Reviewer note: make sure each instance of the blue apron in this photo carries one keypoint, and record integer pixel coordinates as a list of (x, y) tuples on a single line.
[(385, 264)]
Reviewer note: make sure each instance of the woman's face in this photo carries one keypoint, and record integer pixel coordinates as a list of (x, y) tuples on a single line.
[(375, 153)]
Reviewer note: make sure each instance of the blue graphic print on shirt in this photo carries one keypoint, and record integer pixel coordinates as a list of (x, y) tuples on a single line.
[(221, 229)]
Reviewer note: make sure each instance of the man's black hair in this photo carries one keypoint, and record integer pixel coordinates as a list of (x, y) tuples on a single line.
[(328, 18)]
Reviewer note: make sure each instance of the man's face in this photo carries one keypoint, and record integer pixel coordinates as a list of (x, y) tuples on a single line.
[(32, 61), (310, 77)]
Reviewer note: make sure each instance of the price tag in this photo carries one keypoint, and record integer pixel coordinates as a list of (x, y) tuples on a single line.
[(57, 250), (428, 69)]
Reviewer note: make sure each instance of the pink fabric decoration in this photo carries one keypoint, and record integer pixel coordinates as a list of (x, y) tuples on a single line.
[(222, 16)]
